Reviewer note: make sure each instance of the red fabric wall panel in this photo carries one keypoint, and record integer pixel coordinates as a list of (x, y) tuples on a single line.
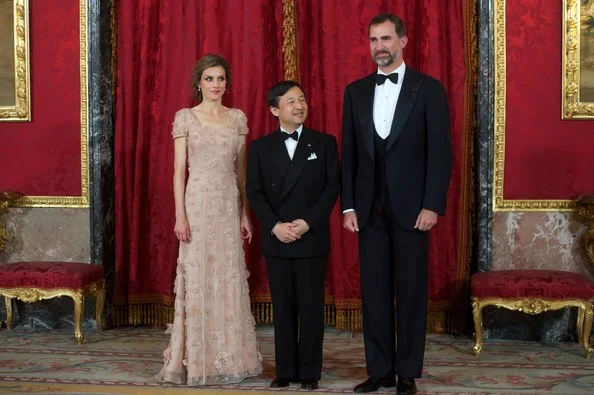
[(545, 157), (43, 157)]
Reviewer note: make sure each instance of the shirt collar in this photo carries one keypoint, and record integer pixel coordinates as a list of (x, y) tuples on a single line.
[(400, 70), (298, 130)]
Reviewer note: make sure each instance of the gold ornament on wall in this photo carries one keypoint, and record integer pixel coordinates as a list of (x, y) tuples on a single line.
[(7, 198), (585, 205)]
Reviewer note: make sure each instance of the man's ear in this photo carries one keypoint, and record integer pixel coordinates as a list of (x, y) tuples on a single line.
[(274, 111), (404, 41)]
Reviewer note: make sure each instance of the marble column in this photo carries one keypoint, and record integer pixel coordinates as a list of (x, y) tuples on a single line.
[(484, 138), (102, 29)]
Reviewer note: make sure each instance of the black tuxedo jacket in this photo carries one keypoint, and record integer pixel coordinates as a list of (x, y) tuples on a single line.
[(418, 151), (279, 189)]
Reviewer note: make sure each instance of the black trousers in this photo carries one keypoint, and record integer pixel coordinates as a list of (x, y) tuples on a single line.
[(297, 290), (393, 264)]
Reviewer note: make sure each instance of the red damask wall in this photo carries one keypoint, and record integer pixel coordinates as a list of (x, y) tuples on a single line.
[(43, 157), (545, 157)]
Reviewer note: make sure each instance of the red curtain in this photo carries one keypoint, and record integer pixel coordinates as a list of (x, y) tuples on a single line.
[(158, 43), (334, 51)]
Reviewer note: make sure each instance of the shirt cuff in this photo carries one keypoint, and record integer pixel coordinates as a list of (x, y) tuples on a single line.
[(348, 210), (271, 230)]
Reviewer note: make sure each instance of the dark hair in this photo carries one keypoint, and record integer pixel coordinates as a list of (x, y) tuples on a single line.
[(399, 27), (278, 90), (205, 62)]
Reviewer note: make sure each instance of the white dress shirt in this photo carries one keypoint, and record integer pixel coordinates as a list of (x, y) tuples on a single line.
[(385, 100), (290, 143)]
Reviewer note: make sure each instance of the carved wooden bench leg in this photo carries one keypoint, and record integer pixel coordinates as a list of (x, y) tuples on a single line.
[(477, 315), (79, 306), (8, 303)]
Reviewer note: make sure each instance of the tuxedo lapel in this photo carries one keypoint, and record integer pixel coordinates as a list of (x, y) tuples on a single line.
[(305, 147), (276, 145), (408, 95), (366, 113)]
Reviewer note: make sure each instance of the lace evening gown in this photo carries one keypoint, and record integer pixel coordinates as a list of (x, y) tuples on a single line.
[(212, 337)]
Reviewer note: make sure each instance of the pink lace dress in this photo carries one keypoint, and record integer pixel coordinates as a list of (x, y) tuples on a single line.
[(212, 337)]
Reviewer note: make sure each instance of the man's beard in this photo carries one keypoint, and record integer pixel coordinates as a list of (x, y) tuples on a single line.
[(383, 62)]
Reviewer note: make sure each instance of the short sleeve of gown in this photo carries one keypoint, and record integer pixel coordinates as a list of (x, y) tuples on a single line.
[(241, 122), (180, 124)]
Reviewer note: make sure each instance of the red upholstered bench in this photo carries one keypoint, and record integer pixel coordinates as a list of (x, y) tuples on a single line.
[(533, 292), (33, 281)]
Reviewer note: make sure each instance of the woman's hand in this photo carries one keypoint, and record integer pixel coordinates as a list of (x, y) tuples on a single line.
[(182, 230), (246, 228)]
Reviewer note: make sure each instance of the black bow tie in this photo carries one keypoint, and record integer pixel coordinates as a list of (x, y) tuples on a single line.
[(294, 136), (381, 78)]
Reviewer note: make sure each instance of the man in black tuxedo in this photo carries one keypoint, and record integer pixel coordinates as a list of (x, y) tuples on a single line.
[(292, 186), (396, 166)]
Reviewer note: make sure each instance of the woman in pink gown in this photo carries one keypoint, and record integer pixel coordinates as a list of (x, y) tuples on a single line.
[(213, 339)]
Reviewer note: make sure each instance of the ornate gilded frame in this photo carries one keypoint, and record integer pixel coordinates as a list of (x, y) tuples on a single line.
[(82, 200), (572, 105), (499, 202), (21, 110)]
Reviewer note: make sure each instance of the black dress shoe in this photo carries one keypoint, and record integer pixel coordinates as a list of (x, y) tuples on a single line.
[(280, 382), (406, 386), (309, 384), (374, 383)]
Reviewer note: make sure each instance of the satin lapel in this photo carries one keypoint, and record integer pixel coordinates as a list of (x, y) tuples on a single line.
[(276, 145), (367, 97), (408, 95), (305, 147)]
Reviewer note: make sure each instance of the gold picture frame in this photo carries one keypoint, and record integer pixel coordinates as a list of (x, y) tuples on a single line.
[(82, 201), (578, 60), (499, 202), (15, 90)]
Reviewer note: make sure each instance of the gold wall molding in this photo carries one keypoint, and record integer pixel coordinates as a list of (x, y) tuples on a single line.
[(81, 201), (500, 203), (290, 49), (585, 207), (572, 106), (21, 110)]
